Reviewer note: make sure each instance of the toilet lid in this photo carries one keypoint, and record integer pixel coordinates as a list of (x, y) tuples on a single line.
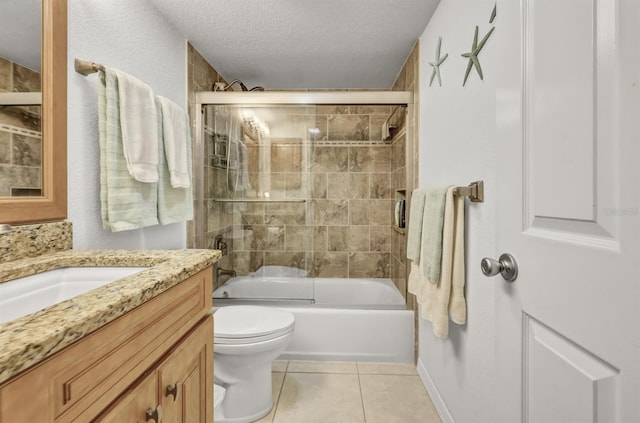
[(241, 322)]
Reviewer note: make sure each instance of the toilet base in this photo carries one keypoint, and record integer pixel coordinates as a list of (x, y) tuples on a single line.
[(248, 400), (218, 416)]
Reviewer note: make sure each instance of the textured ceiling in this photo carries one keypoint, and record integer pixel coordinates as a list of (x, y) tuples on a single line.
[(298, 44)]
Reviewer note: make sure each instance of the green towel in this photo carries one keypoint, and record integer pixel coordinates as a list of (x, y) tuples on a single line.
[(414, 236), (433, 222), (174, 204), (126, 203)]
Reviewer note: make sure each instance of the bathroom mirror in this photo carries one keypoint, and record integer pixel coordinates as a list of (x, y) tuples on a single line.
[(48, 201)]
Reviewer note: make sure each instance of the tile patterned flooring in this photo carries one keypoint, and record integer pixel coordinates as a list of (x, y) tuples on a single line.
[(348, 392)]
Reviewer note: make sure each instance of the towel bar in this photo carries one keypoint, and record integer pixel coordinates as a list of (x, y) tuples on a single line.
[(259, 200), (85, 68), (475, 191)]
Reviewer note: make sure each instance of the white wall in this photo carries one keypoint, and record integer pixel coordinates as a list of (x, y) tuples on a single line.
[(133, 37), (458, 143)]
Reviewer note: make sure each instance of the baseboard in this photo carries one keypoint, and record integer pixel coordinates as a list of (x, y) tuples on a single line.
[(437, 400)]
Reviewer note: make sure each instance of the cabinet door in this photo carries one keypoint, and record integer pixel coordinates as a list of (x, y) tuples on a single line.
[(187, 394), (133, 406)]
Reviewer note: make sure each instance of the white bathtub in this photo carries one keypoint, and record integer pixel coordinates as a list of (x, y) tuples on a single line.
[(336, 319)]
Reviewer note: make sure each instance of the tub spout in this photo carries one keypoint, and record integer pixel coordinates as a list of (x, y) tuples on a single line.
[(224, 272)]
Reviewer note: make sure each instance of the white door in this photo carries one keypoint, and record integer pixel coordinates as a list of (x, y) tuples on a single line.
[(568, 111)]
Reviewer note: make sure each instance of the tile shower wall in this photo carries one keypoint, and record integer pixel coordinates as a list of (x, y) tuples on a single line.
[(200, 77), (20, 138), (349, 179), (343, 171)]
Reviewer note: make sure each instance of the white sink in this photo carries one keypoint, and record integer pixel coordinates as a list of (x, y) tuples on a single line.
[(29, 294)]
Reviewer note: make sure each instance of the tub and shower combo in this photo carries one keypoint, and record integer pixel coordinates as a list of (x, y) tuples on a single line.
[(292, 186)]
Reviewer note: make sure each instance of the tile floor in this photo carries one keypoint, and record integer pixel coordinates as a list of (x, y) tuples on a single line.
[(348, 392)]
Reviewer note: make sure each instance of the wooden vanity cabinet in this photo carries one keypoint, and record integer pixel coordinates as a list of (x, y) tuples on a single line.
[(133, 364), (175, 390)]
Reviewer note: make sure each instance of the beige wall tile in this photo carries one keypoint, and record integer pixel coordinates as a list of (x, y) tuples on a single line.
[(359, 212), (25, 79), (331, 212), (348, 127), (18, 176), (348, 238), (337, 238), (330, 159), (5, 75), (370, 159), (398, 158), (369, 265), (253, 214), (285, 214), (380, 186), (380, 212), (320, 238), (331, 264), (27, 151), (5, 147), (380, 239), (319, 185), (347, 186), (298, 238), (247, 261), (267, 238)]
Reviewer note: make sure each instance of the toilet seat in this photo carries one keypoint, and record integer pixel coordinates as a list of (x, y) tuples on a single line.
[(249, 324)]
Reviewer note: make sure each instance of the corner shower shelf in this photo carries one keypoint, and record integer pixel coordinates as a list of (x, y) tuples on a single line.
[(259, 200)]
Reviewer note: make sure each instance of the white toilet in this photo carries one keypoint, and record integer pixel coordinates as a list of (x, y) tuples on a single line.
[(246, 340)]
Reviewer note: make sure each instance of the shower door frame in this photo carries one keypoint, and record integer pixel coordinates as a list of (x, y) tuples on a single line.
[(280, 98)]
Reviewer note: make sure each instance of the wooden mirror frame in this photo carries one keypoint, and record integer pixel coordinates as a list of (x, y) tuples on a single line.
[(52, 205)]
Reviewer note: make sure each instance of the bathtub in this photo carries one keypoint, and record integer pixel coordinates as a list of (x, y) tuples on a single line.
[(336, 319)]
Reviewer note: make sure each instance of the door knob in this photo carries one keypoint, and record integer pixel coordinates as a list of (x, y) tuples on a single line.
[(506, 265)]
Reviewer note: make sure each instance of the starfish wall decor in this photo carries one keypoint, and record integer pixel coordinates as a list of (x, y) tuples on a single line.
[(436, 64), (474, 62)]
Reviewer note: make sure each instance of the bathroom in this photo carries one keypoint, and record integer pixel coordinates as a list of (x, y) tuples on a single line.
[(460, 136)]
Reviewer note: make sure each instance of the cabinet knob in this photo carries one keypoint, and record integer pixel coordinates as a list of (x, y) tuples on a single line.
[(154, 414), (173, 390)]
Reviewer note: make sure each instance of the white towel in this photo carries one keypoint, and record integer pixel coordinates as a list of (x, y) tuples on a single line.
[(126, 203), (446, 299), (174, 204), (176, 138), (138, 119)]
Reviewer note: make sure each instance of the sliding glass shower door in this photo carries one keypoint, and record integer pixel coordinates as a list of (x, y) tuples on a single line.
[(302, 184)]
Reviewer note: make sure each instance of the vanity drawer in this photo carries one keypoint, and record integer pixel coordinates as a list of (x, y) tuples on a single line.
[(84, 378)]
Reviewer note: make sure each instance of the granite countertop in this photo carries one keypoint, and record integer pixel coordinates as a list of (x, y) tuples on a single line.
[(32, 338)]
